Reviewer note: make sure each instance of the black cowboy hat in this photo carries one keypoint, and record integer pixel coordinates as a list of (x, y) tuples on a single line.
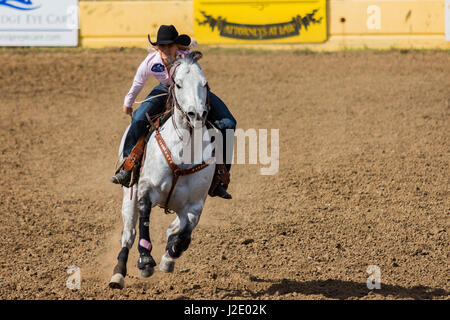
[(168, 35)]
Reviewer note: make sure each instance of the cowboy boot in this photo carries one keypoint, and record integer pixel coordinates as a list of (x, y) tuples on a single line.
[(219, 184), (128, 164), (122, 177)]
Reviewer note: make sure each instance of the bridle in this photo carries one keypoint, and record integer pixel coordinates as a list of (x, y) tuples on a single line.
[(175, 104)]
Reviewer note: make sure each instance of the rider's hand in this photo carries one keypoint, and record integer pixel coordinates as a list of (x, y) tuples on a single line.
[(128, 110)]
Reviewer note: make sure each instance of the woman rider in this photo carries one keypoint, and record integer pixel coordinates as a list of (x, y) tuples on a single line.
[(168, 46)]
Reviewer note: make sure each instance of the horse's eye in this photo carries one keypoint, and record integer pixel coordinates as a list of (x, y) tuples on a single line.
[(178, 86)]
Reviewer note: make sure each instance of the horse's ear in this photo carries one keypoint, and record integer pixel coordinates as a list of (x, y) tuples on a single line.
[(195, 55)]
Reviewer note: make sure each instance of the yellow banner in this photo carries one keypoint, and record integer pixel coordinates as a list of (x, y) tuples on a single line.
[(263, 21)]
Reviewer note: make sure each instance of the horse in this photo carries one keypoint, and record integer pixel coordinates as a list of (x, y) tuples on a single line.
[(160, 184)]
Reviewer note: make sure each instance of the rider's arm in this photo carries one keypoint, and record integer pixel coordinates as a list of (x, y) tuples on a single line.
[(139, 81)]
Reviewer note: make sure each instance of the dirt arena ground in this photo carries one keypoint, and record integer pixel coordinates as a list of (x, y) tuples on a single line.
[(363, 178)]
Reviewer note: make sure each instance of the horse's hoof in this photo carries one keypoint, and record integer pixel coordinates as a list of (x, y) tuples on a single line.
[(167, 263), (146, 272), (117, 281), (146, 266)]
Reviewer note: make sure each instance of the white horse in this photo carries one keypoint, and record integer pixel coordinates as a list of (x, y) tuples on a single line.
[(188, 197)]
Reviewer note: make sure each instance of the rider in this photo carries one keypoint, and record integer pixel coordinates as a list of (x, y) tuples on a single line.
[(168, 47)]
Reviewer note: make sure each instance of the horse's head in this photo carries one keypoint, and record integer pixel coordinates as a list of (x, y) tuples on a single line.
[(191, 89)]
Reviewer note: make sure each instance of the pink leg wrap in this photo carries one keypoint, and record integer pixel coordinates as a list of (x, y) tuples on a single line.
[(145, 244)]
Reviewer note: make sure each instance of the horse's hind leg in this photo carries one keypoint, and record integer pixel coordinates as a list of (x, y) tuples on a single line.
[(129, 217), (178, 238), (146, 263)]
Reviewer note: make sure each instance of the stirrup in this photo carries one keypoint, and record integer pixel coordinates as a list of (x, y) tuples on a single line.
[(220, 182)]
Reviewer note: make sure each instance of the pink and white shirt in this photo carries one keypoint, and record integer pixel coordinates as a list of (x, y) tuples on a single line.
[(152, 65)]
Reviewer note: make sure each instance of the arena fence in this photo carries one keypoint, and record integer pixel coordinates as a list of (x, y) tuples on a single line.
[(377, 24)]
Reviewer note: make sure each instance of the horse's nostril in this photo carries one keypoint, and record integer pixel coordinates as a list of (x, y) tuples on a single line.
[(204, 114), (191, 115)]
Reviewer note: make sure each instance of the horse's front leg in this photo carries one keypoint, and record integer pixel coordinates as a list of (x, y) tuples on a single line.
[(129, 217), (146, 263), (179, 236)]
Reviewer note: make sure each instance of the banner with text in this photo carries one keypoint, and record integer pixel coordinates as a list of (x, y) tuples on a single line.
[(39, 23), (263, 21)]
